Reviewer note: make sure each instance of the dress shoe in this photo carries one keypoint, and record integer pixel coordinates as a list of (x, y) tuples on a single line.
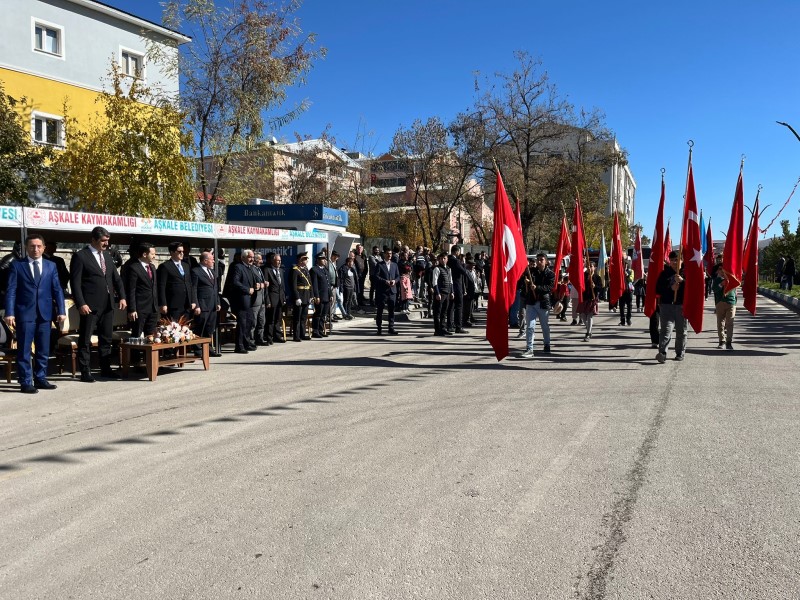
[(461, 330), (43, 384), (262, 343), (297, 340), (280, 341), (379, 332), (87, 378), (307, 337), (26, 388), (240, 351), (252, 348), (109, 374), (214, 354), (316, 335), (393, 332)]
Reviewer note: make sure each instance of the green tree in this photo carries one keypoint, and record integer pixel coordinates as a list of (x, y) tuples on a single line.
[(127, 159), (236, 70), (788, 244), (23, 165)]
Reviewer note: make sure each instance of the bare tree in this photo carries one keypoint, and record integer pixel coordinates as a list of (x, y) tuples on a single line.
[(441, 171), (235, 74), (545, 148)]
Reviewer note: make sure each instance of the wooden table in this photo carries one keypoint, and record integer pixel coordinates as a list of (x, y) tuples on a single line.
[(153, 361)]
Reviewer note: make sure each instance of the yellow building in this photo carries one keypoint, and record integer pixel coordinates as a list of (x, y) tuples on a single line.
[(60, 51)]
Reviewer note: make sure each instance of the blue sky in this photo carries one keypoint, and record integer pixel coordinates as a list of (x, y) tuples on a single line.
[(717, 72)]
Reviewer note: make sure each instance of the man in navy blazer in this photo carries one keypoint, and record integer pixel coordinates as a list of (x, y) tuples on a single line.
[(34, 295), (387, 280)]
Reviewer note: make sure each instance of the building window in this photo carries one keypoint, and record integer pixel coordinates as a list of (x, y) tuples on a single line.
[(132, 63), (47, 129), (48, 38)]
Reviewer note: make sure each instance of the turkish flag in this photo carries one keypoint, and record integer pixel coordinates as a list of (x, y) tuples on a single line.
[(638, 259), (732, 255), (577, 250), (519, 218), (656, 258), (616, 265), (709, 255), (694, 291), (563, 247), (508, 263), (667, 245), (750, 283)]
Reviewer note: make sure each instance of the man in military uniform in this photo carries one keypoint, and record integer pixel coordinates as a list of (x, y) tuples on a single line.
[(321, 290), (300, 289)]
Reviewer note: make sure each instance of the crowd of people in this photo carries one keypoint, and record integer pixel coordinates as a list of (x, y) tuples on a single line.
[(259, 296)]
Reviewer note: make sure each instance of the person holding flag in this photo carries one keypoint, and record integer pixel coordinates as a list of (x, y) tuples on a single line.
[(725, 309), (508, 263), (655, 268), (536, 286), (670, 288)]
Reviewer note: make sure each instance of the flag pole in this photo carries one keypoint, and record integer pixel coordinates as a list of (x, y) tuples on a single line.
[(690, 143)]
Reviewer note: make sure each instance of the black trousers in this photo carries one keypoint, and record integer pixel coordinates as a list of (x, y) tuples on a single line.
[(625, 302), (145, 323), (655, 327), (244, 324), (322, 312), (299, 318), (274, 315), (455, 317), (388, 303), (205, 324), (440, 309), (103, 322)]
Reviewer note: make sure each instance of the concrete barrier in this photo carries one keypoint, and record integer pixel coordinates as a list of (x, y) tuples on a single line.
[(789, 302)]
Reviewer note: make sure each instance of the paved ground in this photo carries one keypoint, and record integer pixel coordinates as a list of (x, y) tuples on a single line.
[(361, 467)]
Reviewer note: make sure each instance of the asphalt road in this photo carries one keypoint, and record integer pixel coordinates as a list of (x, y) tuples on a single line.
[(360, 467)]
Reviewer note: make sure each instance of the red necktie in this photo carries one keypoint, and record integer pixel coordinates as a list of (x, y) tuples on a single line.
[(150, 271), (102, 263)]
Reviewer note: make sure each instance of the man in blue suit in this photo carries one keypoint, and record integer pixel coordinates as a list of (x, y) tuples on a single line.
[(34, 294), (387, 280)]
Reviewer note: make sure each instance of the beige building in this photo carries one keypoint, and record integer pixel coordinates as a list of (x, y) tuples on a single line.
[(305, 172), (399, 182)]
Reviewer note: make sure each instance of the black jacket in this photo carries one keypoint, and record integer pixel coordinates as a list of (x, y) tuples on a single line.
[(88, 284), (664, 287), (175, 291), (542, 293), (141, 290), (206, 289), (276, 292)]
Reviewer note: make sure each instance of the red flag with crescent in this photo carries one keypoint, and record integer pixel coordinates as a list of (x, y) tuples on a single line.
[(508, 263)]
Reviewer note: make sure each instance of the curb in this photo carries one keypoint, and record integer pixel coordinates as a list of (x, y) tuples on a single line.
[(789, 302)]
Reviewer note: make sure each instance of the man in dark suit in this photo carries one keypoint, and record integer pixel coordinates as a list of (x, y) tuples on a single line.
[(206, 285), (241, 293), (321, 292), (139, 278), (387, 280), (176, 295), (259, 302), (34, 293), (276, 299), (93, 281), (300, 288), (459, 275)]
